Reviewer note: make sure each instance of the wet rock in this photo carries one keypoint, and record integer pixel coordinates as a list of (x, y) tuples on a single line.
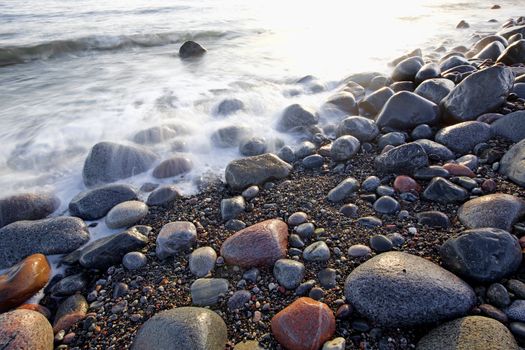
[(202, 261), (313, 161), (422, 131), (510, 126), (444, 191), (453, 61), (289, 273), (491, 52), (407, 69), (96, 203), (297, 116), (513, 54), (461, 138), (428, 173), (344, 148), (174, 166), (404, 183), (69, 285), (381, 243), (70, 311), (512, 164), (406, 110), (27, 206), (126, 214), (345, 101), (428, 71), (230, 136), (232, 207), (317, 251), (175, 238), (435, 90), (344, 189), (497, 295), (392, 138), (433, 219), (327, 278), (404, 159), (191, 49), (253, 146), (363, 129), (374, 102), (387, 205), (25, 329), (359, 250), (229, 106), (436, 150), (369, 221), (371, 183), (134, 260), (207, 291), (163, 195), (153, 135), (459, 170)]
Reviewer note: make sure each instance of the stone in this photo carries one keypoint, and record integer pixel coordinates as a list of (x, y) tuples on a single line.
[(369, 221), (518, 329), (289, 273), (345, 101), (433, 218), (458, 170), (253, 146), (435, 90), (407, 69), (25, 329), (60, 235), (126, 214), (479, 93), (396, 289), (516, 310), (513, 54), (175, 238), (512, 164), (510, 126), (381, 243), (153, 135), (350, 210), (23, 280), (191, 49), (462, 137), (305, 149), (483, 42), (344, 148), (454, 60), (296, 116), (436, 150), (428, 71), (173, 166), (386, 205), (392, 138), (232, 207), (404, 183), (471, 332), (255, 170), (404, 159), (261, 244), (517, 287), (344, 189), (95, 203), (327, 278), (305, 230), (108, 162), (371, 183), (230, 136), (163, 195), (497, 295), (304, 324), (491, 52), (313, 161), (443, 191), (358, 251), (494, 210), (134, 260), (109, 251), (428, 173), (422, 131), (317, 251), (70, 311), (406, 110), (207, 291), (238, 299), (335, 344), (69, 285), (482, 254), (229, 106), (493, 312), (27, 206), (363, 129), (373, 103), (400, 86), (202, 261), (188, 327)]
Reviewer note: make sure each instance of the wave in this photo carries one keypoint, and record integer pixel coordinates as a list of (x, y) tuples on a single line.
[(21, 54)]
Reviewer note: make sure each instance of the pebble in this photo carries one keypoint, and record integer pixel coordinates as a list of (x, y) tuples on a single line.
[(349, 210), (297, 218), (335, 344), (126, 214), (316, 293), (371, 183), (202, 261), (317, 251), (497, 295), (289, 273), (359, 250), (305, 230), (175, 237), (251, 192), (238, 299), (327, 278), (381, 243), (369, 221), (344, 189), (232, 207), (207, 291), (386, 205), (517, 287), (134, 260)]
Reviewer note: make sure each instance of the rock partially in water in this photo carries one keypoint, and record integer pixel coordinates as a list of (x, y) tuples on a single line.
[(174, 166), (25, 329), (230, 136), (513, 54), (435, 90), (491, 52), (406, 110), (363, 129), (374, 102), (229, 106), (297, 116), (407, 69), (253, 146), (126, 214), (191, 49), (163, 195), (27, 206), (345, 101), (153, 135), (95, 203)]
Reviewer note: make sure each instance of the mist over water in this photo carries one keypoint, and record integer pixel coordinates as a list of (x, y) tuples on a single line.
[(73, 73)]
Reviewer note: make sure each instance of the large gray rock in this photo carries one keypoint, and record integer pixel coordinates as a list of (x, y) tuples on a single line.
[(373, 103), (512, 164), (108, 162), (494, 210), (255, 170), (406, 110), (363, 129), (27, 206), (491, 52), (481, 92), (435, 90), (396, 289), (515, 53), (510, 31), (482, 254), (155, 134), (462, 137), (428, 71), (510, 126), (207, 291), (404, 159), (96, 203), (59, 235), (469, 333), (345, 101), (184, 328), (173, 166), (407, 69), (230, 136), (295, 116)]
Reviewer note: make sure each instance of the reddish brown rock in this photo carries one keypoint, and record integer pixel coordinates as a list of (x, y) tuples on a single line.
[(38, 308), (489, 186), (261, 244), (72, 310), (404, 183), (304, 325), (23, 280), (458, 170), (25, 329)]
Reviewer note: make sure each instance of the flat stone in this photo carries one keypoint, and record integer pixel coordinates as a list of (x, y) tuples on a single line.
[(134, 260), (27, 206), (175, 238), (96, 203), (289, 273), (207, 291), (443, 191), (344, 189), (404, 159), (25, 329), (202, 261), (428, 173), (173, 166), (126, 214), (369, 221), (70, 311)]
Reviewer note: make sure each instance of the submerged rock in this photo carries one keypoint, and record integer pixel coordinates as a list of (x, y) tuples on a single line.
[(27, 206), (229, 106), (191, 49), (296, 116), (230, 136), (156, 134), (173, 166), (96, 203)]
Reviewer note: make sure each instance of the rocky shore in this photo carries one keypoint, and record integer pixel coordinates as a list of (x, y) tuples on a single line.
[(397, 221)]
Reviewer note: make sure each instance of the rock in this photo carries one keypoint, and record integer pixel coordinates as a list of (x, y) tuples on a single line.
[(238, 299), (58, 235), (435, 90), (327, 278), (230, 136), (444, 191), (433, 219), (461, 138), (374, 102), (459, 170), (472, 332), (248, 345), (304, 324), (345, 101), (428, 173), (108, 251), (202, 261), (163, 195), (25, 329), (96, 203), (297, 218), (517, 288), (313, 161), (428, 71), (392, 138), (344, 148), (513, 54), (134, 260), (109, 162), (404, 159), (387, 205), (516, 311), (175, 238), (406, 110), (69, 285), (156, 134), (455, 60), (369, 221), (404, 183), (479, 93), (317, 251), (397, 289), (482, 254), (207, 291), (358, 251), (362, 79), (335, 344), (371, 183), (399, 86), (436, 150), (497, 295), (287, 154), (510, 126), (494, 210), (512, 164), (296, 116), (493, 312), (232, 207), (23, 280), (188, 327), (261, 244), (422, 131), (27, 206), (381, 243), (126, 214), (363, 129), (343, 190), (253, 146), (174, 166), (191, 49), (305, 149), (289, 273), (229, 106), (519, 90), (491, 52), (462, 25), (407, 69), (255, 170), (70, 311)]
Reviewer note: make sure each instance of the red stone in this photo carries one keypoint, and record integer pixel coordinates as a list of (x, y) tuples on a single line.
[(261, 244), (305, 324), (23, 280), (25, 329), (404, 183), (459, 170), (70, 311), (489, 186)]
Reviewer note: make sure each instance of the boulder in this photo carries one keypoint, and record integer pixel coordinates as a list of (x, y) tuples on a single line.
[(407, 69), (175, 238), (70, 311), (126, 214), (230, 136), (462, 137), (27, 206), (95, 203), (406, 110), (436, 149), (513, 30), (428, 71), (25, 329), (403, 159), (163, 195), (229, 106), (510, 126), (296, 116), (513, 54), (345, 101), (174, 166), (435, 90), (191, 49), (491, 52)]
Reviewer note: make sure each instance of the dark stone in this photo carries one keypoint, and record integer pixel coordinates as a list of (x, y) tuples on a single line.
[(69, 285), (435, 90), (374, 102), (404, 159), (406, 110), (491, 52), (163, 195), (444, 191), (296, 116), (27, 206), (229, 106), (436, 150), (345, 101), (428, 71), (191, 49), (433, 219), (513, 54), (407, 69), (461, 138), (510, 126), (512, 164), (96, 203), (381, 243), (363, 129)]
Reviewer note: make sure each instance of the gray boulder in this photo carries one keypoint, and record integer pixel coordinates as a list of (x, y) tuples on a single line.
[(513, 54), (491, 52), (253, 146), (396, 289), (230, 136), (404, 159), (27, 206), (96, 203), (428, 71), (156, 134), (191, 49), (297, 116), (462, 137), (513, 30), (229, 106), (512, 164), (108, 162), (174, 238), (163, 195), (435, 90), (345, 101), (406, 110), (363, 129), (407, 69), (510, 126)]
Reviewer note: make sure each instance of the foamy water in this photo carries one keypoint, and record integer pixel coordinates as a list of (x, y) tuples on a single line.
[(73, 73)]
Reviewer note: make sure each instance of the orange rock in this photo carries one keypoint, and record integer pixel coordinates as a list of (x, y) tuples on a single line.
[(70, 311), (404, 183), (38, 308), (458, 170), (304, 325), (23, 280), (25, 329), (258, 245)]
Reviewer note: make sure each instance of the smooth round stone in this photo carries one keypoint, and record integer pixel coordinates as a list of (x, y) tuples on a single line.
[(174, 238), (174, 166), (25, 329), (317, 251), (381, 243), (344, 148), (289, 273), (385, 191), (407, 69), (163, 195), (126, 214), (462, 137), (70, 311), (370, 221), (363, 129), (207, 291), (406, 110), (95, 203), (295, 241), (188, 327), (304, 149), (191, 49), (232, 207), (396, 239), (316, 293), (374, 102), (422, 131), (202, 261), (518, 328), (392, 138), (404, 183), (327, 278), (313, 161), (359, 250), (297, 218), (238, 299), (387, 205), (295, 116), (371, 183), (305, 230), (349, 210), (134, 260), (516, 311), (517, 287), (253, 146), (404, 159), (497, 295), (27, 206), (433, 219), (344, 189), (443, 191), (286, 154), (69, 285), (250, 192)]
